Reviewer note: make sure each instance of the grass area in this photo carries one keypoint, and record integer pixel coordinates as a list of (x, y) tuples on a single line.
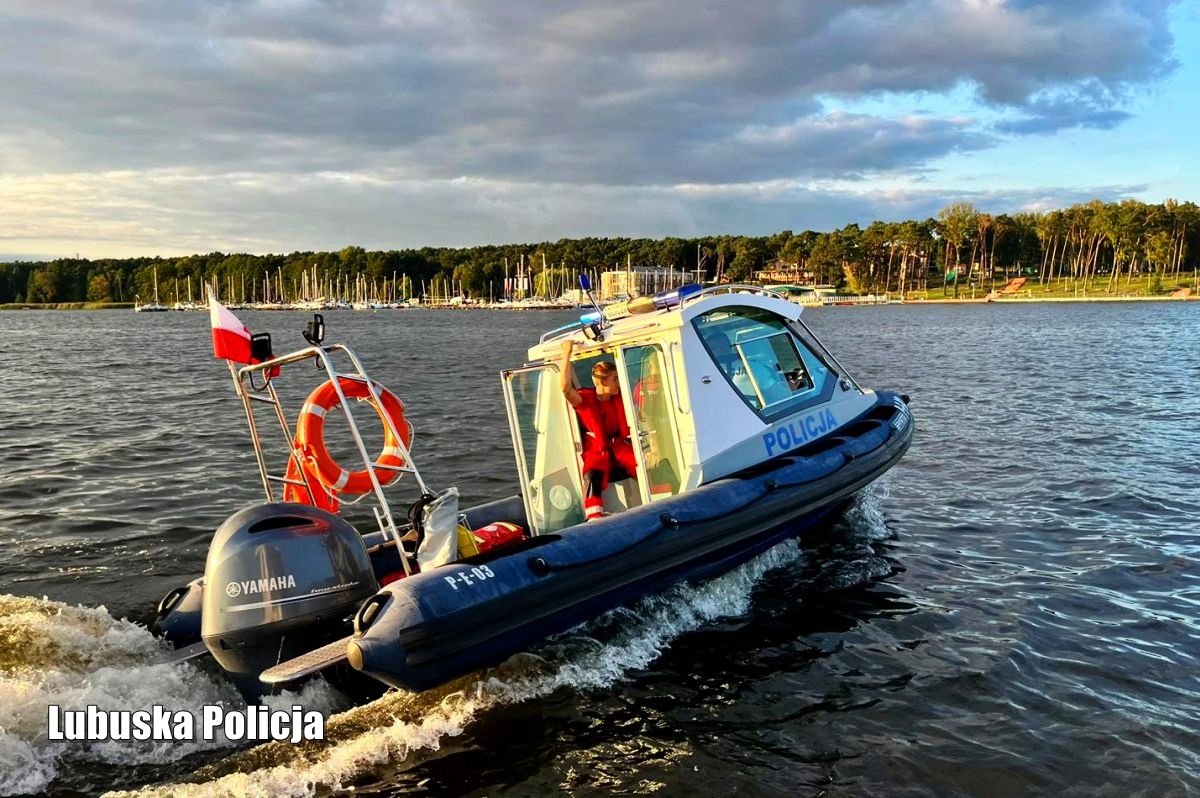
[(1141, 286)]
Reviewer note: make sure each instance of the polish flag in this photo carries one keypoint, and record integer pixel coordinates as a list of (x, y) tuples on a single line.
[(231, 338)]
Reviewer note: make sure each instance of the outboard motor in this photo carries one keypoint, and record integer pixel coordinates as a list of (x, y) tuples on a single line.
[(281, 580)]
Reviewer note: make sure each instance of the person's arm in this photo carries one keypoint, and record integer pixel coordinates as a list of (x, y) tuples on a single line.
[(567, 374)]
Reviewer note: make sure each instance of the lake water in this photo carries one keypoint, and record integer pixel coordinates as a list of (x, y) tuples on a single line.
[(1013, 610)]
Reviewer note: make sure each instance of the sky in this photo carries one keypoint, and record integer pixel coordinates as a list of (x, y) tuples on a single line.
[(142, 127)]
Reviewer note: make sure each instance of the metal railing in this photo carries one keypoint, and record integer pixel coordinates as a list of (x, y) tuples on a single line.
[(732, 288), (249, 394)]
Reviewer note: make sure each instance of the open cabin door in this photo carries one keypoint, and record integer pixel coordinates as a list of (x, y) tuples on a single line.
[(652, 421), (544, 436)]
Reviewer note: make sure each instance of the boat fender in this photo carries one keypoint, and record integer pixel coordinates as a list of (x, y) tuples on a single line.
[(310, 435), (416, 528)]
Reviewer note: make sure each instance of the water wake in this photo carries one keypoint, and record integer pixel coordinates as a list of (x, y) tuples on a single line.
[(72, 657), (399, 726)]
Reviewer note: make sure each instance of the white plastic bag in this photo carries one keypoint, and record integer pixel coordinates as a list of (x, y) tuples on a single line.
[(440, 519)]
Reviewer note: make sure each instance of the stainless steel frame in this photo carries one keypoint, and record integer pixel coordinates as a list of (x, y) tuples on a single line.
[(249, 394)]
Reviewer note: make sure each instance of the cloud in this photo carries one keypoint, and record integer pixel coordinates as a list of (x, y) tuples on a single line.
[(175, 213), (1089, 105), (625, 95)]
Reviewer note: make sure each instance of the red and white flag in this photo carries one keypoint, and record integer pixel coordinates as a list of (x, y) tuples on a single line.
[(231, 338)]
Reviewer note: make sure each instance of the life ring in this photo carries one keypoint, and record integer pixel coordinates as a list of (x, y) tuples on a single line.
[(310, 436), (316, 495)]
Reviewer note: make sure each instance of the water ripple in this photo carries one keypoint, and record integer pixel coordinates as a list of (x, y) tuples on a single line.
[(1014, 611)]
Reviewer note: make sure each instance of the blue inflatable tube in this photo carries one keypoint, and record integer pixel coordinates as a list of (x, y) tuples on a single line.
[(425, 630)]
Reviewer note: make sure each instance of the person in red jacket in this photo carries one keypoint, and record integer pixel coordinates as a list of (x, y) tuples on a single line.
[(607, 449)]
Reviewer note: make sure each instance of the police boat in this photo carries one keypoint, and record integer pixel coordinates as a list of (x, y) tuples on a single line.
[(746, 431)]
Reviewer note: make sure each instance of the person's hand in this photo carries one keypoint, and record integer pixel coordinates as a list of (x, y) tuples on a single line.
[(567, 374)]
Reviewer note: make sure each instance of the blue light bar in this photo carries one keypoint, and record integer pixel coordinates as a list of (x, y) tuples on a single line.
[(666, 299)]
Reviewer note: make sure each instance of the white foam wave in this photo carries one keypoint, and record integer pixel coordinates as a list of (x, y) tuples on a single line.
[(866, 516), (589, 657), (23, 771), (315, 695), (851, 559), (51, 653), (72, 657), (584, 662)]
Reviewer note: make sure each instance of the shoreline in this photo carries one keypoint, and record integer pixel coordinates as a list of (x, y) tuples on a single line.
[(847, 302), (1031, 300)]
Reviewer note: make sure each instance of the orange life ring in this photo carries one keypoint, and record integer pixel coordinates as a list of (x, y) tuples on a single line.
[(316, 495), (310, 436)]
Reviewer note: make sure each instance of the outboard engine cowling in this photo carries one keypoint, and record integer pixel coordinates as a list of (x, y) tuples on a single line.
[(281, 580)]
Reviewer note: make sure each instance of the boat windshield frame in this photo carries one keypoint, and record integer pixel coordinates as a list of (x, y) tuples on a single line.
[(547, 401), (752, 390)]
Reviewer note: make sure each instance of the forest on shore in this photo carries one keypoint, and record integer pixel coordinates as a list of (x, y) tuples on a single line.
[(963, 245)]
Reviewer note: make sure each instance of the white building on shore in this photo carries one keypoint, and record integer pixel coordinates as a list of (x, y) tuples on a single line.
[(643, 281)]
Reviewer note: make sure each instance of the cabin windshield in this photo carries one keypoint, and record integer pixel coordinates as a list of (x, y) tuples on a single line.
[(771, 368)]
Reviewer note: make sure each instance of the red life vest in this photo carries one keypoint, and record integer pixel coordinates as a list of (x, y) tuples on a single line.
[(606, 436)]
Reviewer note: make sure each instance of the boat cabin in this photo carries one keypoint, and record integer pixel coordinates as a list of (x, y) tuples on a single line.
[(723, 380)]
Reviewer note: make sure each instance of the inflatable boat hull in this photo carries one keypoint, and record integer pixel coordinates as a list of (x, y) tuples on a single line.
[(430, 628)]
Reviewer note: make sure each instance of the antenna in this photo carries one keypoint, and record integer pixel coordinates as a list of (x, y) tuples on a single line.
[(595, 323), (586, 285)]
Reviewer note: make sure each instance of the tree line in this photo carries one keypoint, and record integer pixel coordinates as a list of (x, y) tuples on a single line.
[(1112, 241)]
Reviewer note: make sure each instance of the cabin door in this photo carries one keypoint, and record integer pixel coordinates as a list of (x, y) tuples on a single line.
[(652, 421), (544, 436)]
